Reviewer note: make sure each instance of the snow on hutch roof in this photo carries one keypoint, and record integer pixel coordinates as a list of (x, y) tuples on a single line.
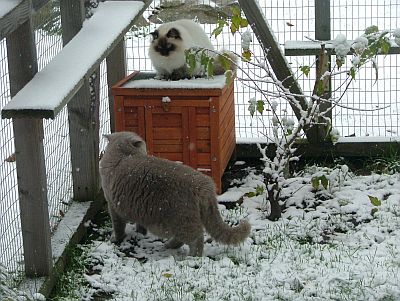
[(148, 81)]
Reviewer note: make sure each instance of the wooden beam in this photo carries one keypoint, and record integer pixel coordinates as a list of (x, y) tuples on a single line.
[(323, 65), (30, 162), (15, 18), (83, 115), (116, 68), (304, 48), (347, 147)]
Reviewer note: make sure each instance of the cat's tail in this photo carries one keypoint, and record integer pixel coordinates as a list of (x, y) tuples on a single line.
[(221, 231), (226, 60)]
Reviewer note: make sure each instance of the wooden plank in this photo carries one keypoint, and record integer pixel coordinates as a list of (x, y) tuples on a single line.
[(116, 67), (148, 121), (142, 123), (15, 18), (323, 65), (152, 100), (83, 115), (204, 159), (215, 142), (30, 162), (119, 114), (203, 133), (167, 148), (162, 133), (168, 141), (170, 156), (186, 137), (167, 119), (347, 148), (38, 4), (275, 56), (193, 147), (203, 146), (304, 48), (203, 119)]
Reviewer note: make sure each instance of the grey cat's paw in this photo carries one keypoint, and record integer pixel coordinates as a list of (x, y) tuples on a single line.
[(173, 244), (116, 239), (140, 229)]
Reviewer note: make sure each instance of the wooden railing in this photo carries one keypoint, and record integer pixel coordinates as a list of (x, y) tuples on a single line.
[(31, 89)]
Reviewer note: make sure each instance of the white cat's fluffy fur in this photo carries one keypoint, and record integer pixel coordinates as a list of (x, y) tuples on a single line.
[(167, 49)]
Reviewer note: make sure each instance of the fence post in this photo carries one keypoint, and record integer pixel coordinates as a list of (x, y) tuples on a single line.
[(83, 115), (323, 63), (30, 161), (116, 67)]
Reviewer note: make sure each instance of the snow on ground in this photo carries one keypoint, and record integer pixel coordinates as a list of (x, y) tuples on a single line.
[(331, 244)]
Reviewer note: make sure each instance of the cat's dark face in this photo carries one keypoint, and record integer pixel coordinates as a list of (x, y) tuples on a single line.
[(164, 44)]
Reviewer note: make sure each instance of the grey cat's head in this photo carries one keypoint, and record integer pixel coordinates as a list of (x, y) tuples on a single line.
[(166, 40), (126, 142)]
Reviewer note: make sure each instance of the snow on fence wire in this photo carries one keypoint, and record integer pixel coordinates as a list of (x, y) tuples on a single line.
[(56, 144), (294, 20)]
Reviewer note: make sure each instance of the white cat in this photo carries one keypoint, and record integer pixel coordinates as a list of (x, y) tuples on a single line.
[(167, 49)]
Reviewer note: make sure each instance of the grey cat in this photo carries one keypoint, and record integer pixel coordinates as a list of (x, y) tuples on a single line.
[(171, 200)]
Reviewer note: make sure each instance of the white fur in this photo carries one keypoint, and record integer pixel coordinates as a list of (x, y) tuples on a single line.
[(192, 35)]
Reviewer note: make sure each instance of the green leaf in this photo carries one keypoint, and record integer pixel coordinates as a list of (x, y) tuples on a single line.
[(252, 107), (305, 70), (250, 194), (374, 200), (191, 61), (315, 182), (371, 29), (376, 71), (224, 61), (260, 106), (353, 72), (259, 190), (324, 181), (385, 47), (167, 275), (228, 77), (246, 55), (244, 23), (204, 58), (236, 11), (220, 27), (210, 68)]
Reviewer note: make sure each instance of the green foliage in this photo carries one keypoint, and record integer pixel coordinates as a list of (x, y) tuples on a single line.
[(259, 191), (374, 200), (256, 106), (316, 181), (305, 70)]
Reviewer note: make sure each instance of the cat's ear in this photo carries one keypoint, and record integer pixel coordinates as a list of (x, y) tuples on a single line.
[(174, 33), (154, 34), (138, 144)]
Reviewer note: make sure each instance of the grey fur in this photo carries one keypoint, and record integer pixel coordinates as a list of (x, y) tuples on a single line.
[(171, 200)]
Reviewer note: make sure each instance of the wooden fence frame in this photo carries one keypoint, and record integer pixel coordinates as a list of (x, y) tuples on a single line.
[(45, 254)]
